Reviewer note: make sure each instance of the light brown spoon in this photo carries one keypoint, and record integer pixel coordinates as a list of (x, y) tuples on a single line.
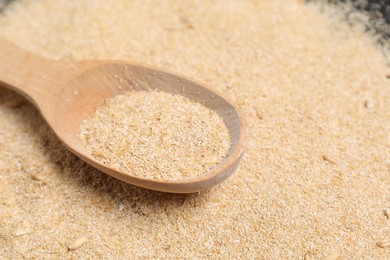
[(68, 92)]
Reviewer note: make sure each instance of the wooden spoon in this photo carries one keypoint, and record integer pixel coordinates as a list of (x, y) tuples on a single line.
[(68, 92)]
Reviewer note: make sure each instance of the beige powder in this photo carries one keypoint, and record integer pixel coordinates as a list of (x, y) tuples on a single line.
[(156, 135), (302, 79)]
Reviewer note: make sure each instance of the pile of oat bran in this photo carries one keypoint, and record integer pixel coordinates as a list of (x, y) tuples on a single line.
[(156, 135), (315, 177)]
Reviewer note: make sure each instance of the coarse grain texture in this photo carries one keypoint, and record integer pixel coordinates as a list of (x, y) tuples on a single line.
[(307, 72), (309, 256), (383, 243), (78, 242), (386, 213), (332, 256), (156, 135)]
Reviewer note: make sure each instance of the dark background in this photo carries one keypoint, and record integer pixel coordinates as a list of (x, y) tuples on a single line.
[(378, 12)]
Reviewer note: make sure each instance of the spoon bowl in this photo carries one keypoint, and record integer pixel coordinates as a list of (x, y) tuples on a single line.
[(66, 93)]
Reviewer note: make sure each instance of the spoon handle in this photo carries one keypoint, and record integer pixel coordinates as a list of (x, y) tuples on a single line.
[(23, 71)]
